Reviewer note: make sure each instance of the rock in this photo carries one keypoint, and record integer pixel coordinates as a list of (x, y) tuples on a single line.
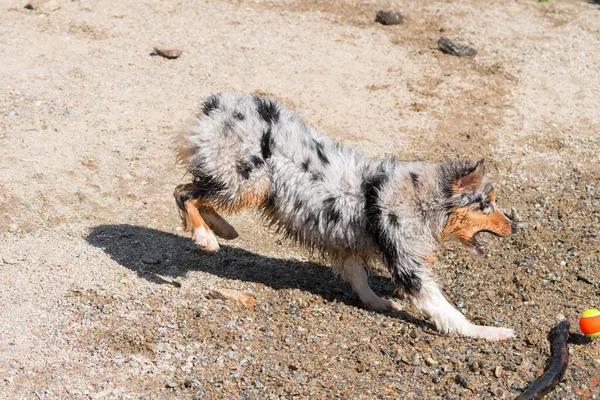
[(328, 384), (166, 53), (585, 279), (171, 385), (43, 6), (192, 384), (430, 361), (229, 294), (453, 48), (498, 371), (462, 381), (389, 17), (515, 387)]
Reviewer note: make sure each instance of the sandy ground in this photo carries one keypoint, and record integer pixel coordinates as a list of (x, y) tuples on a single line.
[(101, 294)]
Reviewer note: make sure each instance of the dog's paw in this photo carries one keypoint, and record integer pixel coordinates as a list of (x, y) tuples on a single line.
[(491, 333), (205, 239), (379, 304)]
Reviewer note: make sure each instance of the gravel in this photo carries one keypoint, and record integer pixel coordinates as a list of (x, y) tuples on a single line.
[(103, 296)]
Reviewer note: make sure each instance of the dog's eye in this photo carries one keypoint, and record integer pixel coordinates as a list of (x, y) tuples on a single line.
[(485, 205)]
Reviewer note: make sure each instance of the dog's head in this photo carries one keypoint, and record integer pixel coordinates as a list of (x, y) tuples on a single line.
[(470, 206)]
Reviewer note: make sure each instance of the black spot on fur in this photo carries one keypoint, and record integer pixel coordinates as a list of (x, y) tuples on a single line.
[(405, 278), (330, 212), (298, 204), (320, 153), (202, 186), (210, 104), (305, 165), (244, 168), (414, 177), (238, 115), (371, 188), (316, 176), (393, 219), (270, 204), (265, 144), (207, 185), (257, 161), (408, 280), (267, 109)]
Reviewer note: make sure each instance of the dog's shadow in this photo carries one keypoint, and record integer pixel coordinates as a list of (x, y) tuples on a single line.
[(153, 254)]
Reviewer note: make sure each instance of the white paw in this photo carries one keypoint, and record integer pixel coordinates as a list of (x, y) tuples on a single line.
[(491, 333), (205, 239), (380, 304)]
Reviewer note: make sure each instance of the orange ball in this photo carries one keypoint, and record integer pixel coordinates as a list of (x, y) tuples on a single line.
[(589, 323)]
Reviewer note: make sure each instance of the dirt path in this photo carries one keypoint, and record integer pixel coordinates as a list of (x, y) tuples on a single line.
[(101, 296)]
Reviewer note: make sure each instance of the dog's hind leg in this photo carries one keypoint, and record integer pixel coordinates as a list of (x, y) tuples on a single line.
[(188, 203), (354, 272)]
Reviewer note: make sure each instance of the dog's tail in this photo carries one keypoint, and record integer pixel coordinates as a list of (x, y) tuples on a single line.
[(226, 150)]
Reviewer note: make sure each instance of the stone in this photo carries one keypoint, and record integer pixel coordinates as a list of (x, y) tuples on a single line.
[(235, 295), (166, 53), (453, 48), (389, 17), (43, 6)]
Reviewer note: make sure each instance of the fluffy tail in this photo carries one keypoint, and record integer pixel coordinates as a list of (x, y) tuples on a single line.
[(226, 150)]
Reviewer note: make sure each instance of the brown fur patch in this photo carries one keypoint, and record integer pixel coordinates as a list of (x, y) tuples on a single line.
[(252, 198), (193, 219), (463, 223), (255, 196)]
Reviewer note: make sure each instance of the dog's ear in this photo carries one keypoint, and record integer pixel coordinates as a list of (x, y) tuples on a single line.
[(472, 179)]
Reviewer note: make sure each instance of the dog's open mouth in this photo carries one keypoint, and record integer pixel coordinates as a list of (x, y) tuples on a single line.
[(475, 248)]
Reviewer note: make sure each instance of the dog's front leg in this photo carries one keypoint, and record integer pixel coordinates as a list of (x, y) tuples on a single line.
[(354, 272), (431, 302)]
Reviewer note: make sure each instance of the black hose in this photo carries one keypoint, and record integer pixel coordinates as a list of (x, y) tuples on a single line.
[(558, 364)]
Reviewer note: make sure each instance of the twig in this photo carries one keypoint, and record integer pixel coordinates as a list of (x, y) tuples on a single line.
[(558, 364)]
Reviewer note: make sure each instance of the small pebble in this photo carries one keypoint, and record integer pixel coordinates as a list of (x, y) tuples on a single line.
[(389, 17), (462, 380), (229, 294), (166, 53), (453, 48), (192, 383), (430, 361), (44, 6), (498, 371)]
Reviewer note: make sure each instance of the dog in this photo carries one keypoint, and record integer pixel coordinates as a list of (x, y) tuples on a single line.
[(250, 152)]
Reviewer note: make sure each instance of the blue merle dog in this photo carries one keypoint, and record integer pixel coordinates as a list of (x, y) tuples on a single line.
[(246, 151)]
